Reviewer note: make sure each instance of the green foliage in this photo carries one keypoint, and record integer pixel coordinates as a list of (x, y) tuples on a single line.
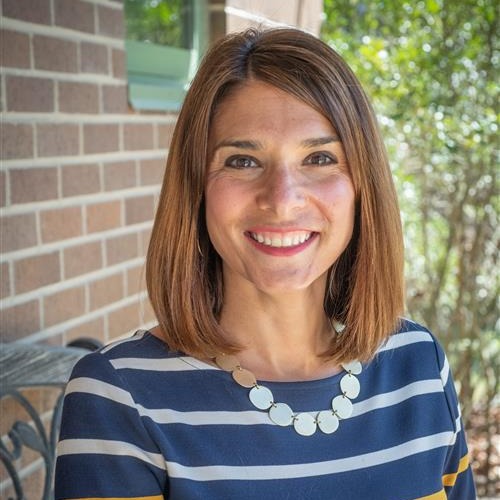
[(162, 22), (430, 69)]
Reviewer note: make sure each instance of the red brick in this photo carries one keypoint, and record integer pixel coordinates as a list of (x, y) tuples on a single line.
[(21, 320), (111, 22), (119, 175), (60, 224), (29, 94), (114, 99), (54, 54), (136, 280), (57, 139), (105, 291), (148, 313), (63, 305), (138, 136), (48, 396), (118, 61), (75, 15), (123, 320), (93, 58), (80, 179), (152, 171), (121, 248), (17, 141), (100, 138), (33, 11), (12, 411), (33, 184), (104, 216), (144, 238), (91, 329), (139, 209), (33, 483), (82, 259), (4, 280), (165, 132), (15, 49), (34, 272), (76, 97), (17, 232), (56, 339), (3, 189)]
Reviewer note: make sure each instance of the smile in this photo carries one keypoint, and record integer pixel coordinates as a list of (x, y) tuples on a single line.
[(282, 240)]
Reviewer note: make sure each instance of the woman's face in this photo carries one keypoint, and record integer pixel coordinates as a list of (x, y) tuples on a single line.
[(279, 197)]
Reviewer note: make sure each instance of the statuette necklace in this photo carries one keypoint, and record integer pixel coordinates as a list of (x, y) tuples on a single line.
[(304, 423)]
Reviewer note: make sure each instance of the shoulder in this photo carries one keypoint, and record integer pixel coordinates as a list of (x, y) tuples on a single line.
[(140, 348), (414, 345), (136, 368), (410, 333)]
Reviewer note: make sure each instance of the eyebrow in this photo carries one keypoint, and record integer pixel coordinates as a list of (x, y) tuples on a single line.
[(320, 141), (253, 145), (256, 145)]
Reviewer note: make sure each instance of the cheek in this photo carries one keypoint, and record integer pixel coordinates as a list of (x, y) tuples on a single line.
[(220, 206), (339, 199)]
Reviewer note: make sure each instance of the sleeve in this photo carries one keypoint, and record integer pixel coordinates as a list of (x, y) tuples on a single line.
[(458, 481), (105, 449)]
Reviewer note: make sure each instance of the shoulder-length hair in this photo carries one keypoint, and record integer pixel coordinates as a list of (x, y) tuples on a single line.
[(184, 272)]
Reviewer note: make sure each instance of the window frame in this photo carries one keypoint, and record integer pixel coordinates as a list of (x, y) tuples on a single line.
[(162, 87)]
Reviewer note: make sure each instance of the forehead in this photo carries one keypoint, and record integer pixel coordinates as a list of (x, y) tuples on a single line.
[(260, 109)]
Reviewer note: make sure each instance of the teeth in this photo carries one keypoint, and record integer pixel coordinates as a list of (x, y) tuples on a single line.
[(286, 240)]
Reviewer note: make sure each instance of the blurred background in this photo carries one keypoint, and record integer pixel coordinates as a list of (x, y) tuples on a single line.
[(431, 69), (90, 91)]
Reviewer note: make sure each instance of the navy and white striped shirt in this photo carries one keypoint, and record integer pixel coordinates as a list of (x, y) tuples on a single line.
[(142, 422)]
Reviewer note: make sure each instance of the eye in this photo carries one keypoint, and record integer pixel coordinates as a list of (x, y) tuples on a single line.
[(241, 162), (321, 159)]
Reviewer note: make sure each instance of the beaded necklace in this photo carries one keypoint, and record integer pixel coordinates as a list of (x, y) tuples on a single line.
[(281, 414)]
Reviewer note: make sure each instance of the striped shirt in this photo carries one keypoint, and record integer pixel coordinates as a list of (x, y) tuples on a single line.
[(142, 422)]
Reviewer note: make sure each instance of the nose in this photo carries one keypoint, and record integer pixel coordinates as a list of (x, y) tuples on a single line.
[(282, 191)]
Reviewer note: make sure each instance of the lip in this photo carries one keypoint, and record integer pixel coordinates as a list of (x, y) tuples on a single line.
[(282, 251)]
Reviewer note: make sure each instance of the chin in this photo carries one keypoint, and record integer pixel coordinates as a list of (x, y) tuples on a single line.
[(290, 285)]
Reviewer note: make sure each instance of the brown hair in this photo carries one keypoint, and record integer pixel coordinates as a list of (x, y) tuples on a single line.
[(184, 272)]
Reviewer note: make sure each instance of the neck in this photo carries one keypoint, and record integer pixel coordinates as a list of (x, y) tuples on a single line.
[(283, 337)]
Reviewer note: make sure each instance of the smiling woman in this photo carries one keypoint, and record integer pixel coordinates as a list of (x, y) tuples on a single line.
[(277, 186), (281, 366)]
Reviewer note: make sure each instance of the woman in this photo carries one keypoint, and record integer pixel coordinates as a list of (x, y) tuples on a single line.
[(281, 367)]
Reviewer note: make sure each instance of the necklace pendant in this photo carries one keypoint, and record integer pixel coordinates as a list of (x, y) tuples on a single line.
[(354, 367), (328, 422), (261, 397), (349, 385), (245, 378), (304, 424), (342, 406), (281, 414), (227, 362)]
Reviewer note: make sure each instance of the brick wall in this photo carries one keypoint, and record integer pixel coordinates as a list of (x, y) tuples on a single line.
[(79, 179), (81, 173)]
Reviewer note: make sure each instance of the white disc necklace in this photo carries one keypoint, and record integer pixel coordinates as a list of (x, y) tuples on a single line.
[(304, 423)]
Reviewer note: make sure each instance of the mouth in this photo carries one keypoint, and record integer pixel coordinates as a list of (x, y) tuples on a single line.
[(281, 240)]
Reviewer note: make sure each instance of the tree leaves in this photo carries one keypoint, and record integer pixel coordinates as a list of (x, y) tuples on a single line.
[(430, 67)]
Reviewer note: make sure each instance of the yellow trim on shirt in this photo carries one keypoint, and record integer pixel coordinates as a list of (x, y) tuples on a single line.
[(440, 495), (151, 497), (450, 479)]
